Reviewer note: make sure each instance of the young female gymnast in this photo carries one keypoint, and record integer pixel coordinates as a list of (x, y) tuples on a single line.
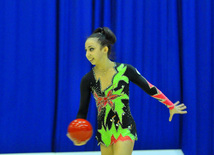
[(108, 81)]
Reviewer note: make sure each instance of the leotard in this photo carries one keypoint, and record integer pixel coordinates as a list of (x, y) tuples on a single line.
[(114, 119)]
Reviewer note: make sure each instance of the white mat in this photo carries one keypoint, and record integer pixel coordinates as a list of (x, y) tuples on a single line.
[(135, 152)]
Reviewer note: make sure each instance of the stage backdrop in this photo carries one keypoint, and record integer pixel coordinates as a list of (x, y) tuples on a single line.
[(42, 55), (27, 75)]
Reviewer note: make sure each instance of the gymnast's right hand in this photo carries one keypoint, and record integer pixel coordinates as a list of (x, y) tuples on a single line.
[(75, 141)]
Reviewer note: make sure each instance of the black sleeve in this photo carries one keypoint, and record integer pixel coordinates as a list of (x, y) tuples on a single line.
[(85, 97), (135, 77), (150, 89)]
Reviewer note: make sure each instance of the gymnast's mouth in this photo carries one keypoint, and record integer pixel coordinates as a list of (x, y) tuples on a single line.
[(91, 59)]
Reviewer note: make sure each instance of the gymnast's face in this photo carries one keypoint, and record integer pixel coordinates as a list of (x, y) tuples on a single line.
[(94, 52)]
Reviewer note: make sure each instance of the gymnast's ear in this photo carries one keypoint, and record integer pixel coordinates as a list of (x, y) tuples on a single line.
[(105, 49)]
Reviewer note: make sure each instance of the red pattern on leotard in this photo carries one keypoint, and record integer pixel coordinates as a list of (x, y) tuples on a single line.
[(161, 97), (120, 138)]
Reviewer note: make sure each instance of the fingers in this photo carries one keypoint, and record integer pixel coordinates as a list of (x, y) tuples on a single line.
[(181, 105), (170, 118), (177, 110), (73, 140), (183, 112), (182, 108), (69, 137), (176, 102), (77, 143)]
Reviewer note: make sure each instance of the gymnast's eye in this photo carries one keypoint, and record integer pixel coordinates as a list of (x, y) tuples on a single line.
[(91, 49)]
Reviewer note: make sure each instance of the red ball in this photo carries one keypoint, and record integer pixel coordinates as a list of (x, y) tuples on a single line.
[(80, 130)]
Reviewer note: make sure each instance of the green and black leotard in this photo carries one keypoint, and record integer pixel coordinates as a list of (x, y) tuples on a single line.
[(115, 121)]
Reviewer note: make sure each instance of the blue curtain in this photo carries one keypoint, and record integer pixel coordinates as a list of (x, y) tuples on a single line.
[(197, 76), (28, 75), (43, 60)]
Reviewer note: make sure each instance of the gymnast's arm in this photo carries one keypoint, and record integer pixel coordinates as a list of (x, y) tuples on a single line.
[(150, 89), (84, 98)]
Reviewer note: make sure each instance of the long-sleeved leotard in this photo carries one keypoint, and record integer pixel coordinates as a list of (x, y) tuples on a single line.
[(114, 117)]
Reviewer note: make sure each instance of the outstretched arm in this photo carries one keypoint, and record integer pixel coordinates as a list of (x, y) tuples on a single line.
[(153, 91), (150, 89), (156, 93)]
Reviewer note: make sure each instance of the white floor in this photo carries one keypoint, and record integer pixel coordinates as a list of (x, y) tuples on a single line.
[(147, 152)]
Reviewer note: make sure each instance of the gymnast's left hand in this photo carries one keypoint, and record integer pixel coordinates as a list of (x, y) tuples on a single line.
[(178, 109)]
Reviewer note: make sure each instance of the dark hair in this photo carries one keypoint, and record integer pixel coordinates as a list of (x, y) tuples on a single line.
[(105, 36)]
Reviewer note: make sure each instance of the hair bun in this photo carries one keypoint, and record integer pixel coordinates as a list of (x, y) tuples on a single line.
[(99, 30), (109, 35), (102, 31)]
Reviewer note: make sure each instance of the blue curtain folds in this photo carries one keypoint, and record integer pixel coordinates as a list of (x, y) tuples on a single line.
[(198, 79), (27, 89), (42, 57)]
